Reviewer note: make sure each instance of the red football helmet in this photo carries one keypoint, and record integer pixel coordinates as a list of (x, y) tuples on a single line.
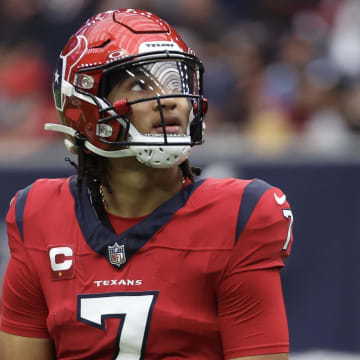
[(113, 46)]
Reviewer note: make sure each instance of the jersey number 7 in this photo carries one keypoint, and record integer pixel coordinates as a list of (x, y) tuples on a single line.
[(288, 214), (133, 308)]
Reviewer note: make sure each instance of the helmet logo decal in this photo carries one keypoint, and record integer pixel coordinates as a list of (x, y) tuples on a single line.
[(158, 45), (59, 101), (82, 42), (62, 73), (117, 54)]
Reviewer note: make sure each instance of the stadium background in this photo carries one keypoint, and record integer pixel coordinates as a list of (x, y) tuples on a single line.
[(283, 83)]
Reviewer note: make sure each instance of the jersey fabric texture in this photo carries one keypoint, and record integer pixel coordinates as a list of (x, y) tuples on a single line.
[(196, 279)]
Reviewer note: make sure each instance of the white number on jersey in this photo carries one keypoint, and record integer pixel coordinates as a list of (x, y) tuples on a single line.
[(133, 308), (288, 214)]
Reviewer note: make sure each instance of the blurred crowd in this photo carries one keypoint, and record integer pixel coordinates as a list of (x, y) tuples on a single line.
[(278, 73)]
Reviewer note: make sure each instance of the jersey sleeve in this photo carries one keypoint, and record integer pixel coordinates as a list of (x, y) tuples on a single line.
[(264, 229), (24, 311), (251, 310)]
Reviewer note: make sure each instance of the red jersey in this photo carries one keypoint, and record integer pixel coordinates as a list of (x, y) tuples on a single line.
[(196, 279)]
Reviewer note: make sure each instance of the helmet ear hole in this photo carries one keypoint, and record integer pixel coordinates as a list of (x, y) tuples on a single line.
[(73, 113)]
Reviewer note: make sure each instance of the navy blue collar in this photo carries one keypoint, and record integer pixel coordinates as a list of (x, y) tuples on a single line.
[(119, 248)]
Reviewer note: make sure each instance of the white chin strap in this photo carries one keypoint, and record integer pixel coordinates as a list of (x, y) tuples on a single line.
[(151, 155)]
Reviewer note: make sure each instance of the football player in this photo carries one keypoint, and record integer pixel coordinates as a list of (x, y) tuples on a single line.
[(132, 258)]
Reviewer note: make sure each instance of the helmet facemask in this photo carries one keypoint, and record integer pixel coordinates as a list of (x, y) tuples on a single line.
[(157, 80), (154, 77)]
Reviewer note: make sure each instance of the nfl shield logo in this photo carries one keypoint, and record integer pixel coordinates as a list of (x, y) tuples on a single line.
[(117, 254)]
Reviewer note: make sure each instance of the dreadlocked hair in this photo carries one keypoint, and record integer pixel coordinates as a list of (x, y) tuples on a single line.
[(91, 169)]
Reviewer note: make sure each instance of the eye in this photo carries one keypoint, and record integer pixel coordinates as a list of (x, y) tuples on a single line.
[(138, 85)]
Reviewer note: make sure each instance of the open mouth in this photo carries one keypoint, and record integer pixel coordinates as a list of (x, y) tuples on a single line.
[(170, 129), (172, 126)]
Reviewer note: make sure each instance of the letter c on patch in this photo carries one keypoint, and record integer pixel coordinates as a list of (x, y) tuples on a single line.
[(61, 266)]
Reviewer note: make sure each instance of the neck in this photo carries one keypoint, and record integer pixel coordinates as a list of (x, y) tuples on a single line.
[(137, 190)]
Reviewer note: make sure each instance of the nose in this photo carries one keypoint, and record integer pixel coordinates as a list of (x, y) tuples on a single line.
[(165, 104)]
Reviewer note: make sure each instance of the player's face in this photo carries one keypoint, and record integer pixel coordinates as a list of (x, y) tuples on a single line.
[(145, 116)]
